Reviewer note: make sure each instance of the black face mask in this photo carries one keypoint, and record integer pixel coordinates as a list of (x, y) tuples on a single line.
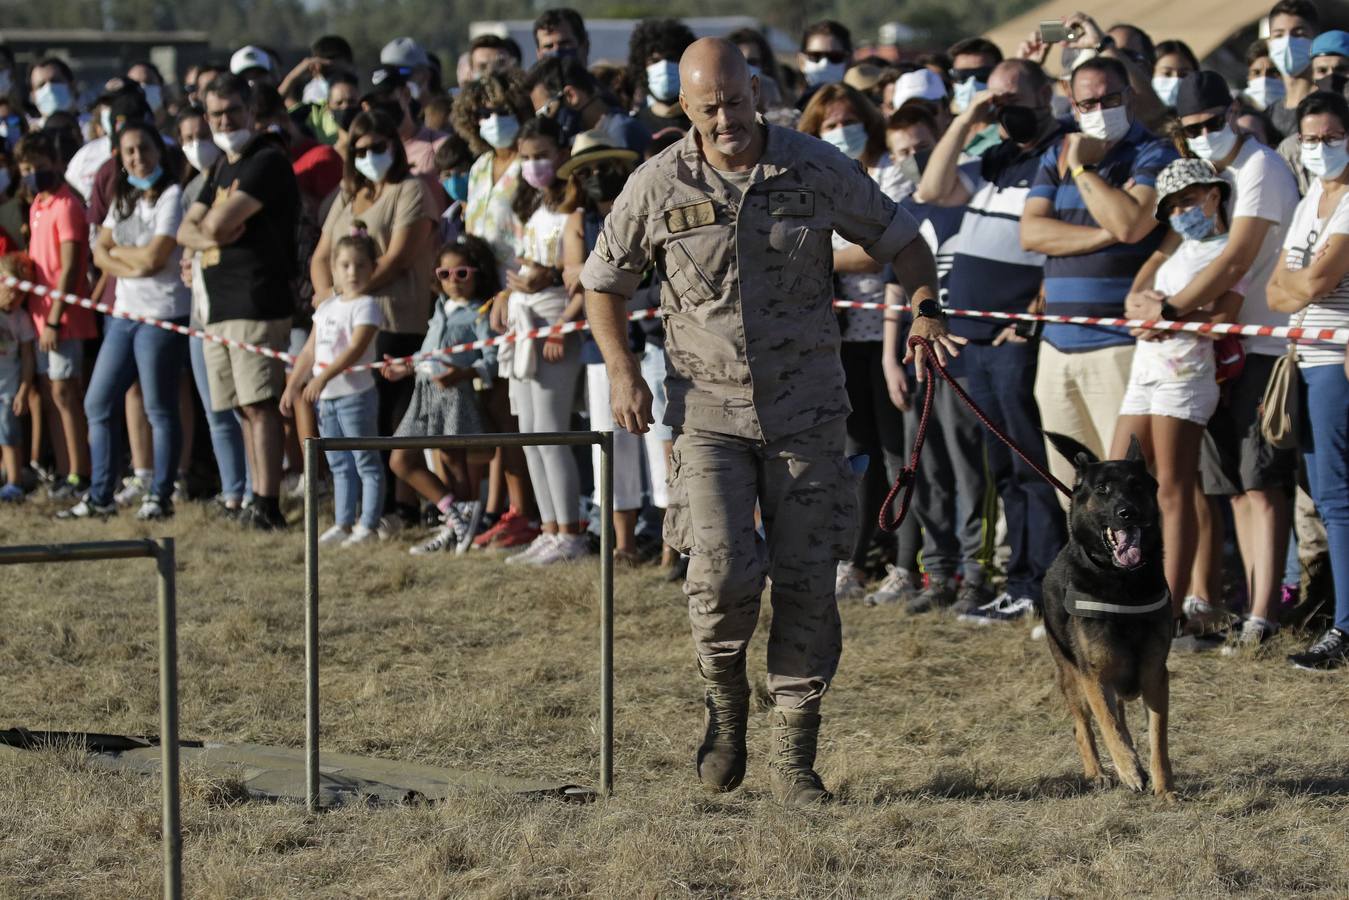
[(1021, 123), (1333, 82), (344, 117), (604, 186)]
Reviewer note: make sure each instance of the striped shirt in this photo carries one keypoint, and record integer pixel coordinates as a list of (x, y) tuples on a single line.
[(992, 272), (1306, 235), (1095, 284)]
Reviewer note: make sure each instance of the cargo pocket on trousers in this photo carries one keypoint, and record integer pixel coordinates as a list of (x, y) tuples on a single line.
[(844, 525), (678, 530)]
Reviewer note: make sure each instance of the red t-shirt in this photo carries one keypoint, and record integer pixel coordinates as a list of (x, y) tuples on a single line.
[(54, 218)]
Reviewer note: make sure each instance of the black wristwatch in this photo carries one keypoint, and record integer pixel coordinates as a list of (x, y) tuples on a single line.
[(1106, 43), (930, 309), (1169, 312)]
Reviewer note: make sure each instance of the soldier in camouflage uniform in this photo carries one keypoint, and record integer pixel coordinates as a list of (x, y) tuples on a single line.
[(737, 220)]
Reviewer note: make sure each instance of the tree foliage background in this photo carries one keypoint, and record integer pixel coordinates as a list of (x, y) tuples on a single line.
[(442, 25)]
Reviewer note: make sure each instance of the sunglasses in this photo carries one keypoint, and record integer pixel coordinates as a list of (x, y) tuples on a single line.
[(834, 56), (458, 273), (1109, 101), (488, 112), (1209, 125), (377, 148), (979, 74)]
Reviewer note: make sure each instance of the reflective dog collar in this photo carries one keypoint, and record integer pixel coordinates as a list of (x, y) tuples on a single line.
[(1080, 604)]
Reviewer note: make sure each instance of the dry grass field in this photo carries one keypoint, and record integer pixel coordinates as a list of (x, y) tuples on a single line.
[(947, 745)]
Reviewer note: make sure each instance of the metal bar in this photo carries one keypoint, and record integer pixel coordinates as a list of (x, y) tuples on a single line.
[(41, 553), (168, 718), (464, 442), (607, 613), (311, 623)]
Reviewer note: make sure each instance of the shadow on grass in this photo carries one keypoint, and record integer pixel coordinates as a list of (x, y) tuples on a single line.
[(968, 786)]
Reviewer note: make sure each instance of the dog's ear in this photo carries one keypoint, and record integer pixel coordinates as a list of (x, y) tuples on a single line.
[(1072, 450), (1135, 453)]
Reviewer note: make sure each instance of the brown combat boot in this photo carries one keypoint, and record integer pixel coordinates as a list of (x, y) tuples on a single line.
[(795, 782), (721, 758)]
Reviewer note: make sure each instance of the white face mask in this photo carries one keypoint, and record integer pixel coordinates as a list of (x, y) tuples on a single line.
[(1291, 55), (232, 142), (1107, 125), (105, 121), (414, 90), (823, 72), (1167, 88), (201, 155), (662, 80), (964, 93), (1213, 146), (1264, 92), (375, 166), (1325, 161), (52, 97), (154, 96), (315, 92), (499, 131), (850, 139)]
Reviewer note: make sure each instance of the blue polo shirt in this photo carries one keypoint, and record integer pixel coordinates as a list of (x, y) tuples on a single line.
[(992, 272), (1095, 284)]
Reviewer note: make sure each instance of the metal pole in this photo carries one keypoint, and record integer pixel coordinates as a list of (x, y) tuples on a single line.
[(311, 623), (89, 552), (168, 718), (606, 443)]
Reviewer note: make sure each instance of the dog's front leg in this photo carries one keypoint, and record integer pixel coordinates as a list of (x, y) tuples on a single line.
[(1156, 689), (1106, 710)]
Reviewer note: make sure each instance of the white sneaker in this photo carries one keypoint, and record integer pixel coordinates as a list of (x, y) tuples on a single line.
[(360, 535), (848, 582), (133, 489), (471, 512), (442, 540), (389, 527), (335, 535), (292, 484), (536, 546), (1003, 608), (563, 548), (1208, 616), (898, 586)]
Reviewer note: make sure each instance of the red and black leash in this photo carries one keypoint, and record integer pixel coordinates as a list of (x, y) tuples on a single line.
[(908, 476)]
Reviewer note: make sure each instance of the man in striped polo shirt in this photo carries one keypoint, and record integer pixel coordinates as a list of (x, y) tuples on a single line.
[(1090, 211), (992, 272)]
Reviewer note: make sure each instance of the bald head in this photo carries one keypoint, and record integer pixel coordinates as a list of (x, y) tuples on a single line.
[(712, 63)]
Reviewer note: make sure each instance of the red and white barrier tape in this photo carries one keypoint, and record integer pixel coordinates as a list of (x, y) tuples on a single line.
[(1321, 335)]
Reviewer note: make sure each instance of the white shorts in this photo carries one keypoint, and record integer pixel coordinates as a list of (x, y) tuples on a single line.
[(1193, 401)]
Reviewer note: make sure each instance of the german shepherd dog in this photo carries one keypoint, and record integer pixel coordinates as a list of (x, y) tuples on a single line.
[(1107, 613)]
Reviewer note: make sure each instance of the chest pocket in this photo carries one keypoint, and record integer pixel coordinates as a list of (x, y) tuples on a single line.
[(692, 237), (805, 255), (687, 277)]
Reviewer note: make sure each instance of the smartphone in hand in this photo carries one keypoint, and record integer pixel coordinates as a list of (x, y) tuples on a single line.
[(1052, 31)]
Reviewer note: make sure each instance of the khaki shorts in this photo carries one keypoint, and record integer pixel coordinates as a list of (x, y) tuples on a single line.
[(240, 378)]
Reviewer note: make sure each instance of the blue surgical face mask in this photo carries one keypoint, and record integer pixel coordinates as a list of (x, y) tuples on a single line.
[(1213, 145), (144, 184), (1325, 161), (1193, 225), (456, 186), (499, 131), (52, 97), (1265, 92), (662, 80), (822, 71), (154, 96), (1167, 89), (850, 139), (1291, 55), (964, 93)]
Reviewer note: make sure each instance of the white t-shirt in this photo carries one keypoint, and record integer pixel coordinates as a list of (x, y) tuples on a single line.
[(335, 322), (1306, 235), (1262, 188), (869, 287), (1181, 356), (84, 165), (163, 294)]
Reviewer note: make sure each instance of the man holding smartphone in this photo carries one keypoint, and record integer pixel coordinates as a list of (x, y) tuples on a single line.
[(992, 272)]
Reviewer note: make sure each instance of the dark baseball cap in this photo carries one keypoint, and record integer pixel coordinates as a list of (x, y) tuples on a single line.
[(1200, 91)]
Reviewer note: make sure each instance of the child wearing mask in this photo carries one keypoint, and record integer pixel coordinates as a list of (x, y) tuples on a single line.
[(17, 362), (443, 400)]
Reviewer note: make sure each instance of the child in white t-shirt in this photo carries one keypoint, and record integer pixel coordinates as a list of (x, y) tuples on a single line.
[(344, 336), (1173, 387)]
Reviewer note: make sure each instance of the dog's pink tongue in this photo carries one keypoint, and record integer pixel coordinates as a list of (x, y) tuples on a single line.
[(1127, 551)]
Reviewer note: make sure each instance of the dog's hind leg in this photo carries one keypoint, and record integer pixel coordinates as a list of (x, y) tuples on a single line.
[(1127, 765), (1086, 741), (1157, 698)]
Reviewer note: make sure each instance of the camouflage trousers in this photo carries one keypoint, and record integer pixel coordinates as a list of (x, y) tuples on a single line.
[(807, 494)]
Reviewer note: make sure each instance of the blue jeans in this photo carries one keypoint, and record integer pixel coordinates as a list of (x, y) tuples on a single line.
[(227, 434), (131, 352), (355, 472), (1002, 381), (1325, 447)]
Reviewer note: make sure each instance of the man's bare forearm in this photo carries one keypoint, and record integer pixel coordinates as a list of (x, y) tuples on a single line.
[(916, 270), (608, 318)]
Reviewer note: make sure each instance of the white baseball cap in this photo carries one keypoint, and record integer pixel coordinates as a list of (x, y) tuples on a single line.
[(250, 57), (920, 84), (403, 52)]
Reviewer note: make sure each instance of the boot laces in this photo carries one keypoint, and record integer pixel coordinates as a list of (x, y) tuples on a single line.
[(726, 711)]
